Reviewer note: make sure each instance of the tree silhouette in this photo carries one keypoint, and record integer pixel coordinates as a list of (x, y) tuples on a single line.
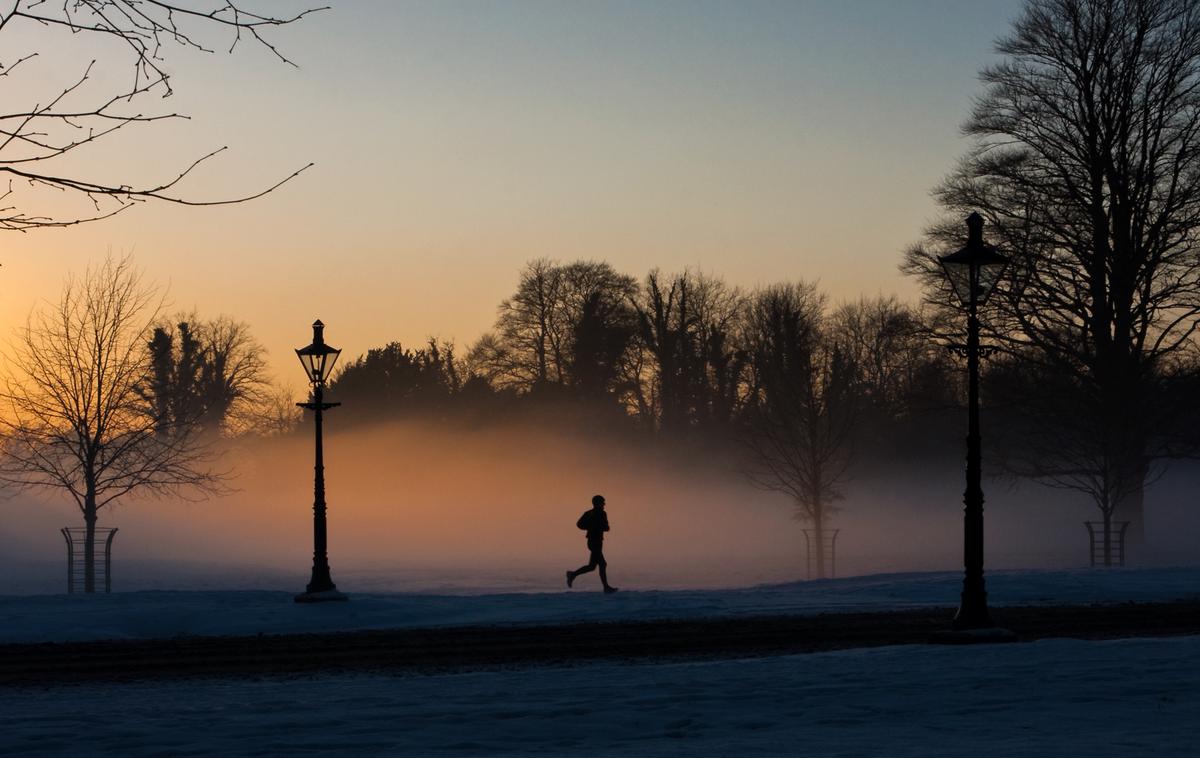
[(686, 324), (531, 328), (1087, 165), (904, 378), (600, 342), (131, 40), (75, 419), (666, 328), (720, 312), (396, 382), (597, 305), (171, 391), (232, 383), (533, 346), (803, 406), (207, 373)]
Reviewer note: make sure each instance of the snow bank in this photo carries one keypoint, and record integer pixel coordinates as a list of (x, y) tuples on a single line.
[(1046, 698), (143, 615)]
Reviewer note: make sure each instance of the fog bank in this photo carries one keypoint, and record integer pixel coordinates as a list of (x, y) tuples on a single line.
[(421, 508)]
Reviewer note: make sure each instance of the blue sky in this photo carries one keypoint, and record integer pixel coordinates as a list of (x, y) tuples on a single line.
[(454, 141)]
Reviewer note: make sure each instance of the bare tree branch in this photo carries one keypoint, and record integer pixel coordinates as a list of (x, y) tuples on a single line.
[(35, 142)]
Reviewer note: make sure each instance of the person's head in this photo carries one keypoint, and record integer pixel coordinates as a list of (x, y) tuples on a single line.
[(598, 502)]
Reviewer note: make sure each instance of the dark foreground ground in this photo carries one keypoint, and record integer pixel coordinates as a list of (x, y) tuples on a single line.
[(464, 648)]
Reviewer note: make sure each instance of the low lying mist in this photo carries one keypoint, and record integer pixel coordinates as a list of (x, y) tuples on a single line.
[(421, 507)]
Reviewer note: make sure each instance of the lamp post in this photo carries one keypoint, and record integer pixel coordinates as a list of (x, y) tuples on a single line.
[(318, 359), (973, 272)]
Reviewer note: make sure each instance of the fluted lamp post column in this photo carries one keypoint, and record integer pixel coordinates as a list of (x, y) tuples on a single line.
[(318, 359), (973, 272)]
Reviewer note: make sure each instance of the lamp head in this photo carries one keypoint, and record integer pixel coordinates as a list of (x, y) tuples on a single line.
[(318, 358), (974, 270)]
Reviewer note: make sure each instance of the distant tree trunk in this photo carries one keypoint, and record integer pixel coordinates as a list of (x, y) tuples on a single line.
[(1130, 505), (89, 521), (819, 538), (89, 544), (818, 476), (1107, 536)]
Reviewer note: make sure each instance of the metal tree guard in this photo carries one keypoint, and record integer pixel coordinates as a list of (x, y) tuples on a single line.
[(829, 553), (76, 561), (1105, 539)]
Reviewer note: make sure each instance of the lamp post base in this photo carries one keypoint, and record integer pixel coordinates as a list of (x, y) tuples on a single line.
[(985, 635), (323, 596)]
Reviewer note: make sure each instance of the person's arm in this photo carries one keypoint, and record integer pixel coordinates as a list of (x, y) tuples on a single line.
[(605, 521)]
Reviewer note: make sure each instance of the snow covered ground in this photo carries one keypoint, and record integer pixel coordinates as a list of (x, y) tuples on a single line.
[(1047, 698), (1056, 697), (141, 615)]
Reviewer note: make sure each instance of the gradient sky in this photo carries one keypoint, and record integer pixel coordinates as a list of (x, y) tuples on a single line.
[(454, 141)]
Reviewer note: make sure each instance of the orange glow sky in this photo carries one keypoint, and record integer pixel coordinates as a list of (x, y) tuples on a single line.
[(455, 141)]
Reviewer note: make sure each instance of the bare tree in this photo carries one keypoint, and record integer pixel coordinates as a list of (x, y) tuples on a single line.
[(802, 410), (904, 375), (667, 331), (1087, 165), (233, 379), (687, 324), (597, 307), (274, 414), (534, 343), (209, 373), (600, 347), (528, 348), (44, 130), (883, 335), (1050, 432), (720, 313), (74, 418)]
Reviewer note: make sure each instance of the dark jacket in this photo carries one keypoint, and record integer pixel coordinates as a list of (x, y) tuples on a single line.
[(595, 523)]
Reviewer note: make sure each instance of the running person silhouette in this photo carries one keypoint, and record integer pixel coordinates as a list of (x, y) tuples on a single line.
[(595, 523)]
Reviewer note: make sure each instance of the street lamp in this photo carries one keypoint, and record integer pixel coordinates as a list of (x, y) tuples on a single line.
[(973, 272), (318, 359)]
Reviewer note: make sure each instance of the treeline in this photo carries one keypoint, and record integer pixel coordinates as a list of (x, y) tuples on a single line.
[(209, 377), (797, 392), (684, 357), (110, 397), (779, 382)]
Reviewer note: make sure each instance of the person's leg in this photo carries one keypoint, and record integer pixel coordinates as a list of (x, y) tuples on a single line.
[(598, 558), (591, 566)]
